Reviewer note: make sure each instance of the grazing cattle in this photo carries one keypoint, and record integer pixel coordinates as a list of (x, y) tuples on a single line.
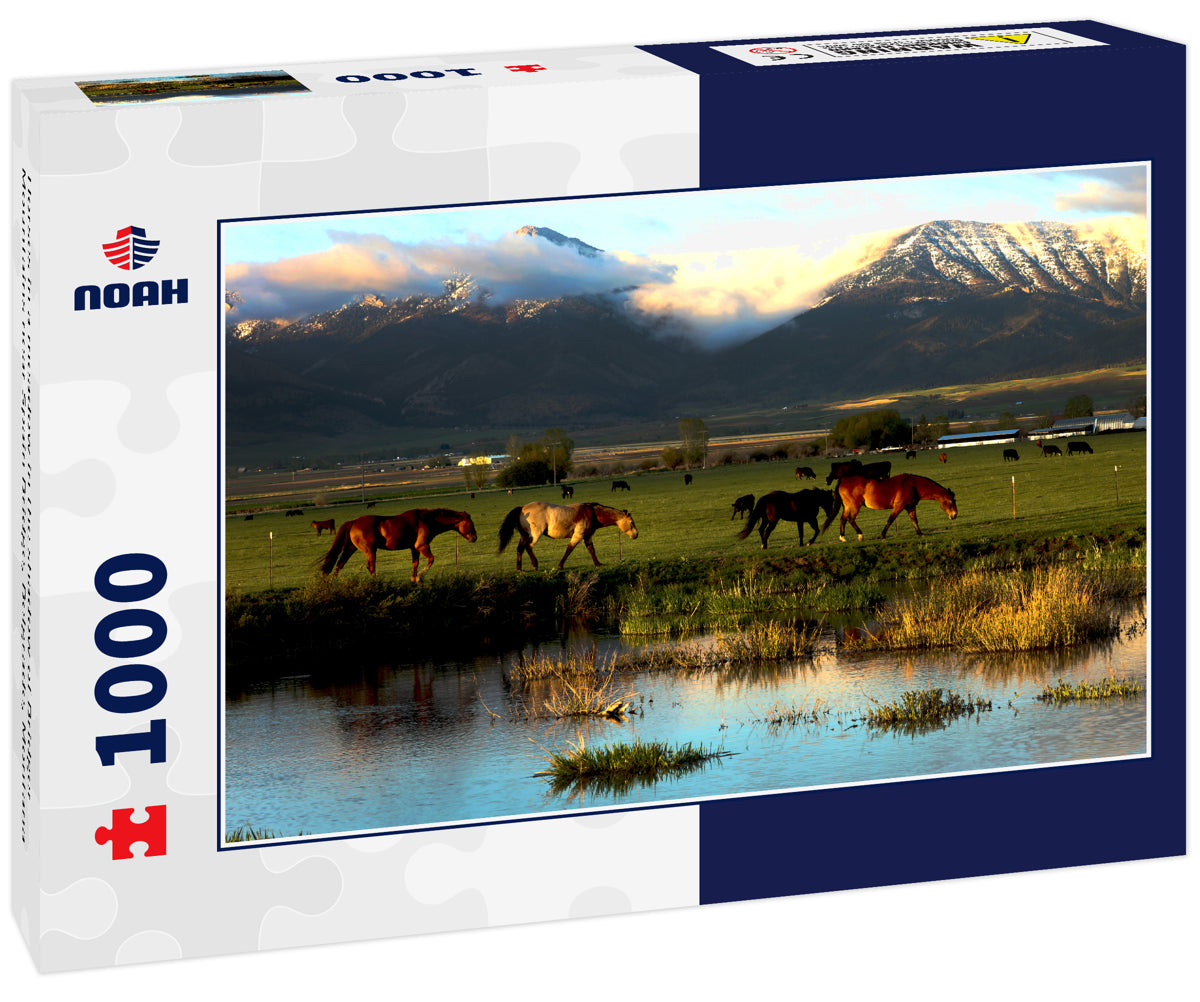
[(850, 468), (248, 518), (910, 454), (1011, 454), (292, 511), (687, 480), (619, 485), (900, 493), (1081, 447), (943, 458), (371, 504), (577, 522), (510, 492), (1051, 450), (411, 530), (801, 507), (805, 473), (742, 506), (322, 525), (567, 492), (876, 471)]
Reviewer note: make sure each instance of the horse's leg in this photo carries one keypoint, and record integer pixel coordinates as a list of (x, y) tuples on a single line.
[(765, 528), (425, 551), (848, 512), (892, 517), (587, 541), (912, 513)]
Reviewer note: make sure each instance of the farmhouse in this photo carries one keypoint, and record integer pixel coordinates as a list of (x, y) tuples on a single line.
[(1001, 437), (481, 460)]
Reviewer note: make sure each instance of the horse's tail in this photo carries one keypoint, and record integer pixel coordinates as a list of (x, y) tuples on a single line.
[(340, 542), (755, 515), (509, 526)]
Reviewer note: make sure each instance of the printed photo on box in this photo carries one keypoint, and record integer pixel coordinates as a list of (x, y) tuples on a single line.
[(501, 487)]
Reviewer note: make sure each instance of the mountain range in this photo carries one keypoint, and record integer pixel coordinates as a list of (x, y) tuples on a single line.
[(945, 302)]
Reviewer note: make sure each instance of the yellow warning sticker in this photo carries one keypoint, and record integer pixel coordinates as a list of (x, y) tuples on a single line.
[(1014, 39)]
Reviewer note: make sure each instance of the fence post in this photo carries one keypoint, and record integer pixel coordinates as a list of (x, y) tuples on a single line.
[(1014, 493)]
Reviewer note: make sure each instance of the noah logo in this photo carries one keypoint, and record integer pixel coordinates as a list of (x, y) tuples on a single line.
[(131, 250)]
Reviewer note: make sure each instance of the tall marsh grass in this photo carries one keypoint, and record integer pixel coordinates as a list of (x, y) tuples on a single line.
[(998, 612), (618, 767)]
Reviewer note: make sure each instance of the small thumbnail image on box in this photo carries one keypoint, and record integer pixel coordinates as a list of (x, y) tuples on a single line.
[(145, 90)]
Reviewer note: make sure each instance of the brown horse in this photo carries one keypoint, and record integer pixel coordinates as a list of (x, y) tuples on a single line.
[(577, 522), (323, 524), (900, 493), (801, 507), (412, 530)]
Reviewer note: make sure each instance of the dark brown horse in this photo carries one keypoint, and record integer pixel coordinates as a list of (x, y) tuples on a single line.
[(742, 506), (801, 507), (412, 530), (900, 493), (577, 522)]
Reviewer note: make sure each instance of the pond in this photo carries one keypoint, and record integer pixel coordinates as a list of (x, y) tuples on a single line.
[(436, 744)]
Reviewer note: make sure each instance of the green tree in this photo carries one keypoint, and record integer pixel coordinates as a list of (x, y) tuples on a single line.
[(1078, 406), (871, 430), (694, 447), (672, 458), (1007, 420), (476, 475), (539, 462)]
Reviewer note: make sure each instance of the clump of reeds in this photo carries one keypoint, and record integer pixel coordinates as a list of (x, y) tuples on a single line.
[(589, 698), (793, 714), (1050, 608), (561, 665), (248, 833), (922, 709), (1107, 688), (617, 767)]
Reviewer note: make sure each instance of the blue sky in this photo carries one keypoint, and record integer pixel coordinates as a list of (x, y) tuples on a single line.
[(725, 260)]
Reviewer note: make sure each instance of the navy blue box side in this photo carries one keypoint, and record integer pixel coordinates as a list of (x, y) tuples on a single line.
[(949, 114)]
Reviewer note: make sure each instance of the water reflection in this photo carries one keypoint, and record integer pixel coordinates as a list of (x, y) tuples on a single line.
[(428, 743)]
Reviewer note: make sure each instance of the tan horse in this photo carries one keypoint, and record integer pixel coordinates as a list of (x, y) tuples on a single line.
[(412, 530), (576, 522), (900, 493)]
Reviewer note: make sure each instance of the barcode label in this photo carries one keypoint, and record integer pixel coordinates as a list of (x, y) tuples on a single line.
[(793, 53)]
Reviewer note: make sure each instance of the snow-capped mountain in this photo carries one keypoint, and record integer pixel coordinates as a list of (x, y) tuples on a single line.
[(1044, 257)]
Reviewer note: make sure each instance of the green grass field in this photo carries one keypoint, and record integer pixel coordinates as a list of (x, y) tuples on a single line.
[(1060, 497)]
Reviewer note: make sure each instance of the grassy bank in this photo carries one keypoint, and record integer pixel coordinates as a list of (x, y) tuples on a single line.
[(325, 622)]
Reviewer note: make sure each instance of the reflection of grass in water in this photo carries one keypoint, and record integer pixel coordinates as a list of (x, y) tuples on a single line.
[(622, 766), (583, 685), (1107, 688), (763, 642), (920, 710), (1047, 608)]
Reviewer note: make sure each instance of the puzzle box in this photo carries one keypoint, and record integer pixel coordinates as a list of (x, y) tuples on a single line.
[(629, 287)]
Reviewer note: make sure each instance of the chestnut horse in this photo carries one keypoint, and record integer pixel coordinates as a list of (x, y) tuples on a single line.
[(577, 522), (801, 507), (900, 493), (412, 530)]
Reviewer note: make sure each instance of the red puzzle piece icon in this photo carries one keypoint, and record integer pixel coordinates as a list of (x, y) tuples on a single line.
[(124, 832)]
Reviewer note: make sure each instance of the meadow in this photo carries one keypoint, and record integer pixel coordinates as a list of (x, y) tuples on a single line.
[(1057, 499)]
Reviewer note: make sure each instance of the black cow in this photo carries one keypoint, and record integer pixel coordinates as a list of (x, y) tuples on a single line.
[(619, 485), (1074, 447), (687, 480), (742, 506), (1051, 450), (1011, 454)]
